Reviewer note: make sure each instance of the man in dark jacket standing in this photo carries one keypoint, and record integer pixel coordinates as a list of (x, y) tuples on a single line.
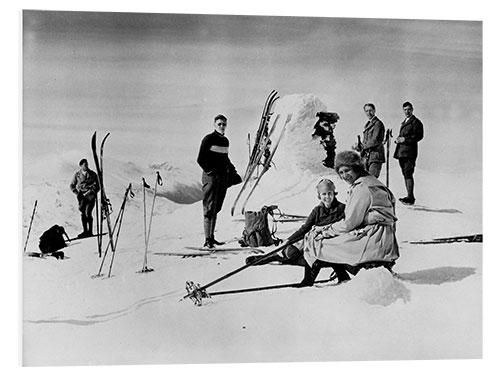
[(218, 174), (372, 150), (85, 185), (411, 132)]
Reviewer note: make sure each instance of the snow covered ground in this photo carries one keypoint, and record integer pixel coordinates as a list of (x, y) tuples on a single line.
[(433, 310)]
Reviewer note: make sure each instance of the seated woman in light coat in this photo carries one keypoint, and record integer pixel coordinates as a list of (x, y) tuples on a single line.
[(367, 235)]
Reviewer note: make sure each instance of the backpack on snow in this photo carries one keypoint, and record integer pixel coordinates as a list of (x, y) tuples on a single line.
[(52, 239), (256, 232)]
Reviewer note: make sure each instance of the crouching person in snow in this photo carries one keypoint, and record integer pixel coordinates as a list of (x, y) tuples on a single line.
[(329, 211), (86, 186), (366, 237)]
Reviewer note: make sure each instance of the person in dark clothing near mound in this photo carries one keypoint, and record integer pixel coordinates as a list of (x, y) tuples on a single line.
[(85, 185), (218, 175), (329, 211)]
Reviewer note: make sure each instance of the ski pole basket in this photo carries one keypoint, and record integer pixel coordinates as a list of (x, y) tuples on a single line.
[(196, 293)]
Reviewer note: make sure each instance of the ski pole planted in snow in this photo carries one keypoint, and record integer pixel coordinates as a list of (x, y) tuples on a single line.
[(98, 225), (144, 186), (118, 224), (29, 229), (157, 182), (197, 292)]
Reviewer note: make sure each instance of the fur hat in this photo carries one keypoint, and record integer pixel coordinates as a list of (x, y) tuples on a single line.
[(348, 159)]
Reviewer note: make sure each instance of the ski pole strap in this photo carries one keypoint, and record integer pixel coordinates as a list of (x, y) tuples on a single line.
[(129, 191), (145, 184), (106, 202), (158, 179), (274, 225)]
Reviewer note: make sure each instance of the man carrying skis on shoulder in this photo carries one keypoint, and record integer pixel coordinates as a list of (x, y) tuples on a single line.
[(218, 175), (85, 186)]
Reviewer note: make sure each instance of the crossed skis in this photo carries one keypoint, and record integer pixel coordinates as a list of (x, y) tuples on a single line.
[(261, 150)]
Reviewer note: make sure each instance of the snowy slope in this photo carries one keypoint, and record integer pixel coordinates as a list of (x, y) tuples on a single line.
[(433, 310)]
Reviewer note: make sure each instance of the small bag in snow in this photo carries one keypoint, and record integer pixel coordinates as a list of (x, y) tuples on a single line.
[(256, 232), (52, 239)]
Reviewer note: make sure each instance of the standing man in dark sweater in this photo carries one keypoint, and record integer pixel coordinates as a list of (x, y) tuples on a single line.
[(218, 174), (411, 132)]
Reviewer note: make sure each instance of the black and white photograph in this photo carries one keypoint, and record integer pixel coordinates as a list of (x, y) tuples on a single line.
[(249, 188)]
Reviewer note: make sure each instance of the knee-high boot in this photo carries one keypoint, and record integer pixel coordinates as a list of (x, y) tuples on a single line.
[(212, 232), (207, 225), (263, 259), (89, 226), (290, 255), (410, 184), (310, 274), (84, 226), (341, 272)]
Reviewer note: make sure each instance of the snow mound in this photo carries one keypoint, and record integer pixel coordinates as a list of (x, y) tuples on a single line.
[(298, 150), (47, 181), (181, 182), (377, 286)]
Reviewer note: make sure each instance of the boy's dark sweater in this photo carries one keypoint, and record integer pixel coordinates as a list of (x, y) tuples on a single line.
[(319, 216)]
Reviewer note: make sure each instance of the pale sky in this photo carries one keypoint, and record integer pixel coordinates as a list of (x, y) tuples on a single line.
[(151, 72)]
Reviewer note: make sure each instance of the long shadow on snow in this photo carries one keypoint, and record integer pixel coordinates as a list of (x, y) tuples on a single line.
[(437, 210), (437, 276)]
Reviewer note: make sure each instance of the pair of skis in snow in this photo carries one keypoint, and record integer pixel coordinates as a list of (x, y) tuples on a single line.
[(105, 207), (443, 240), (262, 152), (262, 130)]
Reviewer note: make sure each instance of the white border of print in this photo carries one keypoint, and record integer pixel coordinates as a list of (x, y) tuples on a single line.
[(11, 186)]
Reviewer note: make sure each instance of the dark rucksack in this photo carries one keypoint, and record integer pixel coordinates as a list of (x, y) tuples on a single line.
[(256, 232), (52, 239)]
